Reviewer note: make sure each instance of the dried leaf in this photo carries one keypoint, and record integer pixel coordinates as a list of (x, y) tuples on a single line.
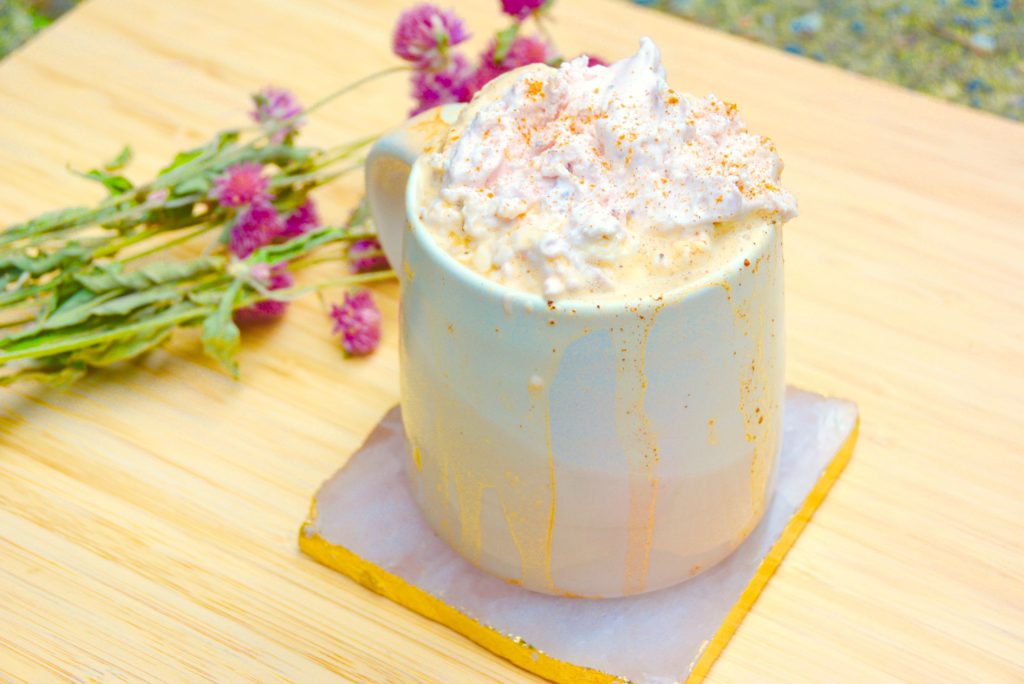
[(200, 184), (37, 263), (75, 309), (113, 277), (297, 246), (49, 343), (48, 221), (221, 337), (124, 349), (125, 304), (205, 297), (50, 372)]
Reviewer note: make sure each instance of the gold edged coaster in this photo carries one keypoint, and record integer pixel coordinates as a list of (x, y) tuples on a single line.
[(364, 524)]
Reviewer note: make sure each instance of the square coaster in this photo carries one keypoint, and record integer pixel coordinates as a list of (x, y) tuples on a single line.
[(365, 524)]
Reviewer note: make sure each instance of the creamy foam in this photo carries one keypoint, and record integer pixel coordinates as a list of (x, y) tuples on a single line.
[(580, 180)]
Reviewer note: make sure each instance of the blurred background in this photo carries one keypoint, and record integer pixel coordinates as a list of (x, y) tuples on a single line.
[(966, 51)]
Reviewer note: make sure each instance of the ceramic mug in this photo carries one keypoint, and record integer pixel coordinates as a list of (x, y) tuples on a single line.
[(581, 448)]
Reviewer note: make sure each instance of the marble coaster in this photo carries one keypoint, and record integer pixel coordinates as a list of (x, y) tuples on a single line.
[(365, 524)]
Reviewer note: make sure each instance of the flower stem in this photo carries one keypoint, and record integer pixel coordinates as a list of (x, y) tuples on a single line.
[(87, 340), (543, 28), (358, 279), (171, 243), (352, 86)]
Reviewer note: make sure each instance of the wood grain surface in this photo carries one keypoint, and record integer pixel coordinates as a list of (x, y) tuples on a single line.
[(148, 515)]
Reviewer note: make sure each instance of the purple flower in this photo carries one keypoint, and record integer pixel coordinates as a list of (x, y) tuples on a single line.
[(520, 9), (357, 320), (451, 84), (241, 184), (277, 279), (274, 106), (300, 221), (424, 33), (366, 256), (255, 227), (524, 50)]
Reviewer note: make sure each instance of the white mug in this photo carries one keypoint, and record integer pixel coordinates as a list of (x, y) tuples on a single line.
[(580, 448)]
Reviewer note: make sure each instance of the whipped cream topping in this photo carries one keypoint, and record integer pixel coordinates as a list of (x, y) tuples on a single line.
[(582, 179)]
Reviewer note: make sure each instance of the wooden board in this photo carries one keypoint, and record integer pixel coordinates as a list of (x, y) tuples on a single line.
[(148, 516)]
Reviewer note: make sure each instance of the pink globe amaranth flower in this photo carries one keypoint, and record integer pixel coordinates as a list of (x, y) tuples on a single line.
[(300, 221), (268, 309), (241, 184), (274, 106), (358, 321), (595, 61), (366, 256), (451, 84), (255, 227), (524, 50), (520, 9), (424, 34)]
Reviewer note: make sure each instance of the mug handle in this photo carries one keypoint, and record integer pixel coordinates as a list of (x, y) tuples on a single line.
[(387, 172)]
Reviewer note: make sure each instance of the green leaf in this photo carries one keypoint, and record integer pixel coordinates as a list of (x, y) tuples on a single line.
[(124, 349), (503, 43), (77, 308), (205, 297), (122, 159), (36, 262), (284, 155), (223, 139), (360, 215), (51, 220), (78, 311), (65, 299), (180, 159), (105, 278), (208, 151), (51, 373), (197, 184), (125, 304), (221, 338), (115, 184), (49, 343), (298, 246)]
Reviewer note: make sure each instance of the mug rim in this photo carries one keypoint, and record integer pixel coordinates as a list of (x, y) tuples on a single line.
[(529, 300)]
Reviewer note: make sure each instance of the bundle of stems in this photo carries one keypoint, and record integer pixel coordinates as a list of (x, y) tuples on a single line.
[(86, 287)]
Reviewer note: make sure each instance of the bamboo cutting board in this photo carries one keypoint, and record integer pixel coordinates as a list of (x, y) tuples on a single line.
[(148, 515)]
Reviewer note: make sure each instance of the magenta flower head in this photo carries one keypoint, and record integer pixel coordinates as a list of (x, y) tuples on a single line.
[(596, 61), (366, 256), (277, 279), (520, 9), (357, 320), (300, 221), (255, 227), (241, 184), (274, 106), (524, 50), (424, 34), (454, 83)]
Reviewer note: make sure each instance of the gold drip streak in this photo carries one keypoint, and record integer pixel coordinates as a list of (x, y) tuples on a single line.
[(640, 445), (551, 512)]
